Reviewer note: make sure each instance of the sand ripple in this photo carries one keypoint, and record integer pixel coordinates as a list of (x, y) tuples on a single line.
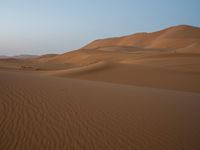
[(50, 113)]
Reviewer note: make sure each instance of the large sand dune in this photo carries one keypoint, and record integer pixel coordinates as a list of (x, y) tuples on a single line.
[(170, 38), (140, 91)]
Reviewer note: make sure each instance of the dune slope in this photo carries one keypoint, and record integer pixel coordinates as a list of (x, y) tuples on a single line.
[(140, 75)]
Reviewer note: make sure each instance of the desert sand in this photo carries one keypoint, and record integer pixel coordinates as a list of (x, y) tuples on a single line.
[(140, 91)]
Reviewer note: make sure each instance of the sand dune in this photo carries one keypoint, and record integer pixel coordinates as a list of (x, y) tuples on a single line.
[(176, 39), (39, 112), (170, 38), (81, 70), (3, 56), (193, 48), (140, 75), (45, 58), (134, 92)]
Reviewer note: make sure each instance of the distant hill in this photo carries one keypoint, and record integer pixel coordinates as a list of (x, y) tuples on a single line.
[(24, 56), (18, 56), (3, 56)]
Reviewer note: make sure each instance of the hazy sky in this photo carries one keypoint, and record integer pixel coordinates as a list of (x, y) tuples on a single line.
[(56, 26)]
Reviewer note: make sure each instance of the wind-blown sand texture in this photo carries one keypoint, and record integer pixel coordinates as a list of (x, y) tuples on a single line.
[(138, 92), (52, 113)]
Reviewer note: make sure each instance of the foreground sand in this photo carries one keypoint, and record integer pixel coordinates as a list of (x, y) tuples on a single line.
[(40, 112)]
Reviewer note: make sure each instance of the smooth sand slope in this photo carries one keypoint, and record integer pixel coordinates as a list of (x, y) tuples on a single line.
[(139, 75), (38, 112)]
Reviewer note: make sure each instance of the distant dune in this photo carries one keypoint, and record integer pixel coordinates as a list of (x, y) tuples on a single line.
[(19, 56), (24, 56), (3, 56), (140, 91), (170, 38)]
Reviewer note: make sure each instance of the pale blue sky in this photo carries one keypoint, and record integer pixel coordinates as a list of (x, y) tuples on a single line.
[(57, 26)]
